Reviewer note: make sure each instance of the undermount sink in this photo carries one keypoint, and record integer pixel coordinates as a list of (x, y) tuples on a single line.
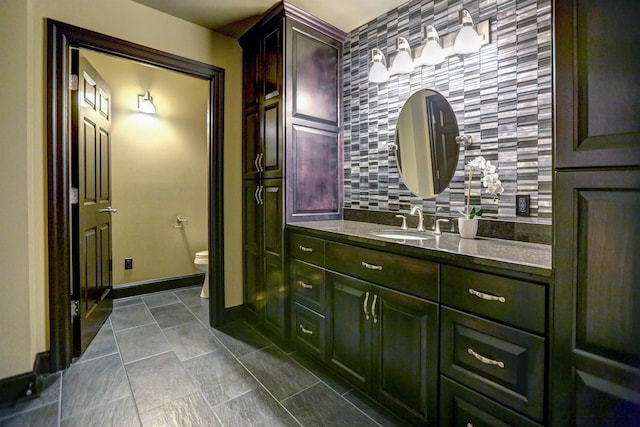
[(402, 235)]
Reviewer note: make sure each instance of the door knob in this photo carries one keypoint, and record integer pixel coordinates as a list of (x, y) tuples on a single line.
[(108, 209)]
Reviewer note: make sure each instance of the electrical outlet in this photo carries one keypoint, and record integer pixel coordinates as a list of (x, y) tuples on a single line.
[(128, 263), (522, 205)]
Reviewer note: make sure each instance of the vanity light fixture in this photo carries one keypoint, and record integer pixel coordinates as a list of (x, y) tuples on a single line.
[(378, 72), (145, 103), (467, 40), (403, 61), (432, 53)]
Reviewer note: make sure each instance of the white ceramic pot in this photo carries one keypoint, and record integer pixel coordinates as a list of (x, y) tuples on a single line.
[(468, 228)]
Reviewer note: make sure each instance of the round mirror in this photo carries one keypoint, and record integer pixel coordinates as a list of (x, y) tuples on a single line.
[(426, 147)]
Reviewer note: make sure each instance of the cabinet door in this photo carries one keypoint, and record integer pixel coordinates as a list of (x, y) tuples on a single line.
[(405, 354), (253, 265), (271, 161), (595, 361), (273, 227), (349, 329), (252, 147), (271, 63), (597, 64), (250, 77)]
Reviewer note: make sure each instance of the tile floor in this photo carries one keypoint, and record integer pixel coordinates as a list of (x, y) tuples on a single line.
[(156, 362)]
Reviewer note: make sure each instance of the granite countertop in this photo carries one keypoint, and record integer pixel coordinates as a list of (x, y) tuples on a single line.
[(532, 258)]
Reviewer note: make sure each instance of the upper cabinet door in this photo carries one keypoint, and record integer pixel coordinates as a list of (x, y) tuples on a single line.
[(271, 63), (597, 64)]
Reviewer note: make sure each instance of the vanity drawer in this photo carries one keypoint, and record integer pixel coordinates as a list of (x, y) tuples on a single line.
[(307, 284), (306, 248), (410, 275), (308, 330), (462, 407), (500, 362), (511, 301)]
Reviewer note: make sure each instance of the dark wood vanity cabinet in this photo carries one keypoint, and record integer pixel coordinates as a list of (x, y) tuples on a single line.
[(595, 350), (292, 122)]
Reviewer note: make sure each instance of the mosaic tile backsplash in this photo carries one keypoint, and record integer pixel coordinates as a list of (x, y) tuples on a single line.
[(502, 97)]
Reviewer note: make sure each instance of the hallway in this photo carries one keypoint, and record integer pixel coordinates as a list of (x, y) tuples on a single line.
[(156, 362)]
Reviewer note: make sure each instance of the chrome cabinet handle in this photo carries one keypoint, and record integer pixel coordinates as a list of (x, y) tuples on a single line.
[(255, 194), (255, 162), (260, 190), (485, 360), (487, 297), (305, 249), (304, 285), (306, 331), (260, 167), (108, 209), (373, 308), (364, 306), (371, 266)]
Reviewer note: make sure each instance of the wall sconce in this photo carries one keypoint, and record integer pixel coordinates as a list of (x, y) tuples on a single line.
[(432, 53), (467, 40), (145, 103), (378, 72), (403, 61), (435, 50)]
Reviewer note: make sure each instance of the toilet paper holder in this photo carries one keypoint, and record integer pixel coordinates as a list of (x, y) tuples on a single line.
[(181, 222)]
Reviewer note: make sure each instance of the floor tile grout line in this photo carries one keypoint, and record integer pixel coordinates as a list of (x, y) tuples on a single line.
[(133, 397)]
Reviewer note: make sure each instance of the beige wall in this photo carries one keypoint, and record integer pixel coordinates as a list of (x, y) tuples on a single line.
[(159, 169), (23, 267)]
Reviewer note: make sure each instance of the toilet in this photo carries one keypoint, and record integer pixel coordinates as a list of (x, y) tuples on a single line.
[(202, 263)]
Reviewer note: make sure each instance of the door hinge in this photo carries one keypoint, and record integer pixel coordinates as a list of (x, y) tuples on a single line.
[(75, 308), (73, 82), (73, 195)]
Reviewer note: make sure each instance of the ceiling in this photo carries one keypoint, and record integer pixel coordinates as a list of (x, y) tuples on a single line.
[(234, 17)]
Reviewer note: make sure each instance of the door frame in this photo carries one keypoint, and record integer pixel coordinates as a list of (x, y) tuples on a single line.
[(60, 37)]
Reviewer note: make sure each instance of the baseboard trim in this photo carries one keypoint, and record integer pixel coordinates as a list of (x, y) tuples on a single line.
[(26, 386), (157, 285)]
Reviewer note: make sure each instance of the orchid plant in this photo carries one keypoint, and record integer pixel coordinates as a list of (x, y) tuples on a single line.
[(490, 180)]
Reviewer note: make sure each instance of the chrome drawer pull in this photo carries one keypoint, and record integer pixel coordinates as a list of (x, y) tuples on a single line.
[(305, 331), (371, 266), (487, 297), (304, 285), (364, 306), (485, 360), (373, 308), (305, 249)]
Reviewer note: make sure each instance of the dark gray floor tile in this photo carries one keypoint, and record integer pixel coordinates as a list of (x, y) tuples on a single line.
[(220, 376), (142, 341), (190, 410), (280, 374), (93, 383), (240, 338), (102, 344), (321, 371), (160, 299), (191, 296), (191, 340), (321, 406), (172, 315), (126, 302), (158, 380), (381, 415), (50, 393), (120, 412), (255, 408), (130, 317), (44, 416), (201, 311)]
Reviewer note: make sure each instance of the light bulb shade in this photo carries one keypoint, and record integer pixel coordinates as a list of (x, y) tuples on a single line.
[(145, 103), (432, 53), (378, 72), (403, 62), (467, 41)]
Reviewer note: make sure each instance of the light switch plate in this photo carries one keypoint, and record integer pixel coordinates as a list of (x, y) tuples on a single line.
[(523, 207)]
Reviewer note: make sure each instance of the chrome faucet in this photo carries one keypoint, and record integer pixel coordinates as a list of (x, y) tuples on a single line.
[(417, 210), (436, 223)]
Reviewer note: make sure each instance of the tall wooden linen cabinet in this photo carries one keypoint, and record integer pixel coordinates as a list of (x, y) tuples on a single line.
[(595, 350), (292, 145)]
